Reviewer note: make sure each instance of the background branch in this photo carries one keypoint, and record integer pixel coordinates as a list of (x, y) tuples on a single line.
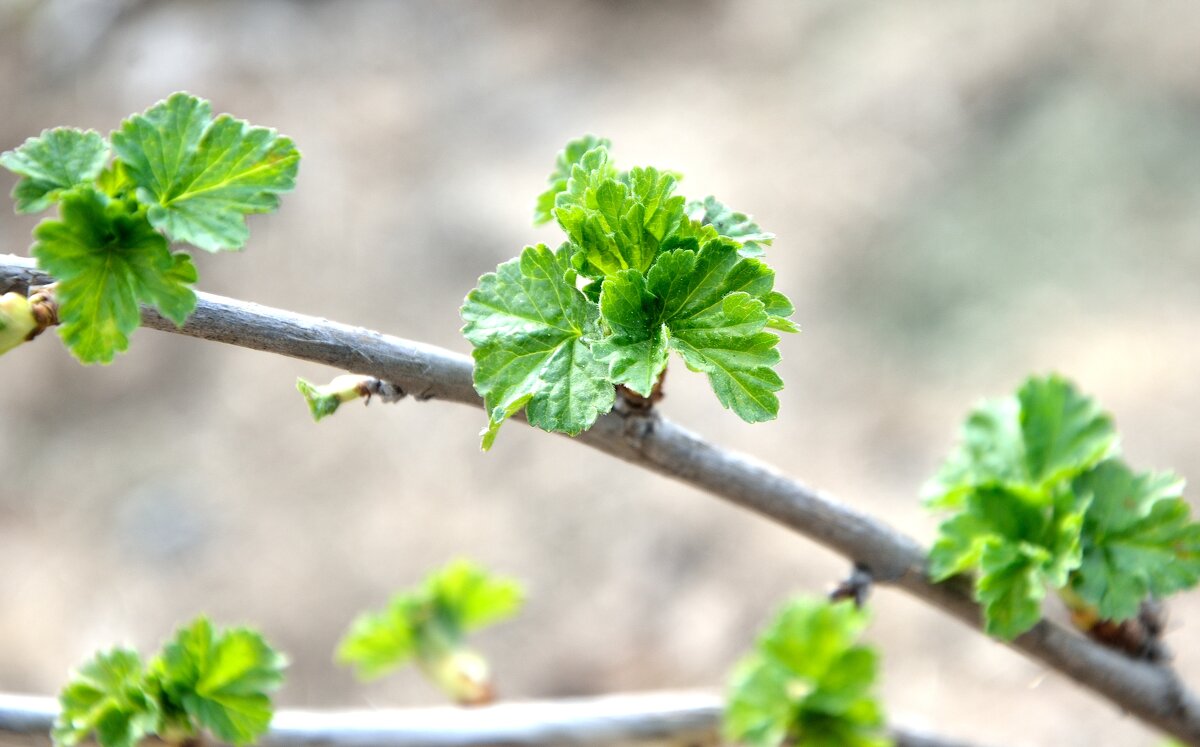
[(689, 719), (1151, 692)]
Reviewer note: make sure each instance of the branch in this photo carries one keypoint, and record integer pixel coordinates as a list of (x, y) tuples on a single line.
[(1151, 692), (686, 719)]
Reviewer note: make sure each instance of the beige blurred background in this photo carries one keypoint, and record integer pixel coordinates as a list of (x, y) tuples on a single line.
[(964, 193)]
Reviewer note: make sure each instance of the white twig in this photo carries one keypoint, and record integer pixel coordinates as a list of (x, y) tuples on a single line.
[(1151, 692), (679, 719)]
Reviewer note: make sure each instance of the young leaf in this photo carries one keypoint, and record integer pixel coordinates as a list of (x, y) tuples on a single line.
[(324, 400), (378, 642), (57, 160), (201, 176), (471, 596), (731, 224), (617, 222), (636, 351), (429, 624), (108, 260), (528, 324), (204, 679), (759, 710), (1046, 433), (1011, 587), (567, 158), (706, 306), (1019, 543), (652, 280), (1064, 432), (1038, 502), (108, 697), (779, 307), (807, 682), (1138, 540), (729, 345), (221, 679)]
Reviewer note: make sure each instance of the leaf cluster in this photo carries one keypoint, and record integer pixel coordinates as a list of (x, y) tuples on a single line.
[(1039, 498), (429, 625), (177, 174), (807, 682), (641, 273), (204, 679)]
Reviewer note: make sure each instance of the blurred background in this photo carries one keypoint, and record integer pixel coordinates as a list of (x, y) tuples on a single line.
[(964, 193)]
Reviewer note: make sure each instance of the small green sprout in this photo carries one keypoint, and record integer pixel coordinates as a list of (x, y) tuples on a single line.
[(807, 682), (177, 175), (429, 625), (323, 401), (204, 679), (1039, 498)]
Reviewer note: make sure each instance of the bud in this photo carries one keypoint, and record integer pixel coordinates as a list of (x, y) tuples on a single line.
[(325, 400), (17, 323), (460, 673)]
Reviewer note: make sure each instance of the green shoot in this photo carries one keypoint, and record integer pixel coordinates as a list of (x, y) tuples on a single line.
[(179, 175), (641, 274), (807, 682), (205, 679), (323, 401), (1038, 498), (429, 625)]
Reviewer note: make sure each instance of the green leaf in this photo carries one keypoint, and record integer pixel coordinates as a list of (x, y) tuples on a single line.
[(492, 429), (730, 224), (201, 176), (729, 345), (809, 635), (108, 260), (989, 452), (807, 682), (1020, 506), (1064, 535), (617, 222), (429, 622), (959, 545), (707, 306), (1138, 540), (528, 324), (56, 161), (473, 597), (779, 307), (1019, 543), (321, 403), (572, 154), (1011, 586), (711, 304), (324, 400), (635, 279), (106, 697), (377, 642), (636, 351), (1065, 433), (222, 679), (759, 709), (1045, 434)]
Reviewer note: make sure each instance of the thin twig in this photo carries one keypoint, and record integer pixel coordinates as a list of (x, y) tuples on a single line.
[(685, 719), (1150, 691)]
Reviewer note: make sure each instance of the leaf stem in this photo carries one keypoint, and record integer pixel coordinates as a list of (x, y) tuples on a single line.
[(630, 401)]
